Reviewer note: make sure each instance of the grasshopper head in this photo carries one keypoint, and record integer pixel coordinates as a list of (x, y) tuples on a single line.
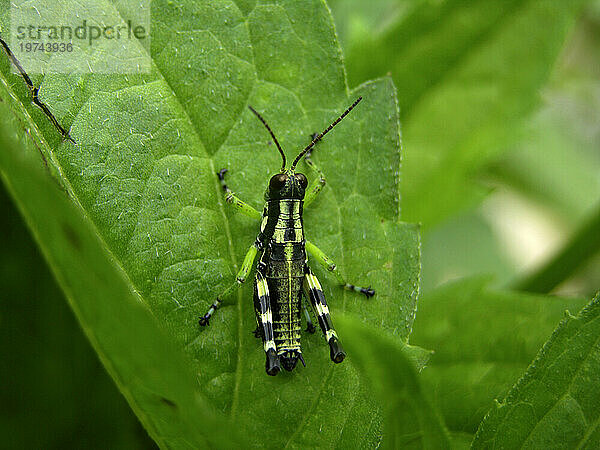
[(287, 185)]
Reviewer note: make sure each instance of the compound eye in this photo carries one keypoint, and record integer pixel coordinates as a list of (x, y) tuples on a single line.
[(278, 181), (302, 180)]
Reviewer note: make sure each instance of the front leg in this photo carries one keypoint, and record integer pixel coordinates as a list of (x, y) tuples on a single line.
[(231, 198), (316, 186), (240, 278), (328, 263)]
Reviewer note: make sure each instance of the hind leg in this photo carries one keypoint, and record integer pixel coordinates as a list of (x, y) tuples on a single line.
[(264, 319), (314, 292)]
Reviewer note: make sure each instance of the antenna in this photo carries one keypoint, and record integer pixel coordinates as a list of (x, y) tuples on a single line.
[(272, 135), (323, 133), (35, 92)]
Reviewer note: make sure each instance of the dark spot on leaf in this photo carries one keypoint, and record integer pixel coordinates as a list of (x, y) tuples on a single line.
[(71, 236), (168, 402)]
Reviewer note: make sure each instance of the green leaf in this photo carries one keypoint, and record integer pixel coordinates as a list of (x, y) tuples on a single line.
[(386, 364), (557, 163), (582, 247), (483, 340), (356, 19), (551, 168), (460, 247), (48, 364), (557, 402), (148, 368), (467, 74), (555, 167), (461, 440), (143, 173)]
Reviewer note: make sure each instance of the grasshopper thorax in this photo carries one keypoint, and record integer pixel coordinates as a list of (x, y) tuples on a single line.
[(287, 185)]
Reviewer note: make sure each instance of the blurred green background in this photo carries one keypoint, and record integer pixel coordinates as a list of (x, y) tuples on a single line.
[(538, 193), (542, 184)]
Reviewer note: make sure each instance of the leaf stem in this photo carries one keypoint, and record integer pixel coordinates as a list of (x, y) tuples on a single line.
[(582, 246)]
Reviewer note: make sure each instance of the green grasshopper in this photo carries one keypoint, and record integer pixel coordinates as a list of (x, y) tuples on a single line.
[(283, 275)]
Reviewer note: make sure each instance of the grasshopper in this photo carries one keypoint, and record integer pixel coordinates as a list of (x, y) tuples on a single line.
[(283, 276)]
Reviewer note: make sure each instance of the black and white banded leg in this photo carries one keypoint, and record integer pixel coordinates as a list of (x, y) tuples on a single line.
[(314, 292), (264, 318)]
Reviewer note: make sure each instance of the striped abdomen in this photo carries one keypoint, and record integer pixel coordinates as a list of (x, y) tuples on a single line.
[(285, 267), (285, 284)]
